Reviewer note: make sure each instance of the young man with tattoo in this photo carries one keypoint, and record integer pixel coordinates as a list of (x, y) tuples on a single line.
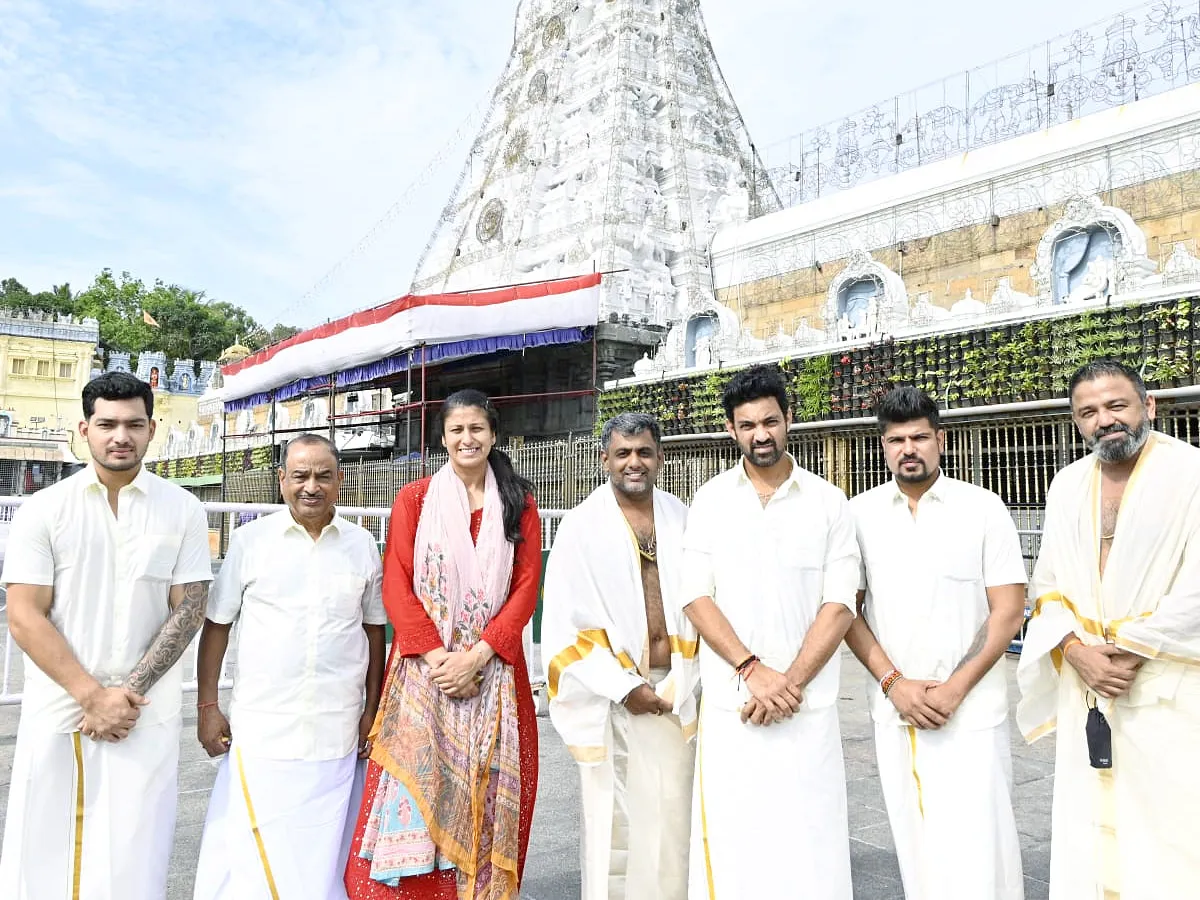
[(942, 596), (107, 575), (305, 586)]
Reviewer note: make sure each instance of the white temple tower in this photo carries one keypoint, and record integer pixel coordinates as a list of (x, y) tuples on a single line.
[(612, 142)]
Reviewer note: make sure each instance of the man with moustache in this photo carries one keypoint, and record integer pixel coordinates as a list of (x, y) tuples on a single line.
[(622, 671), (1111, 658), (944, 594), (305, 585), (771, 570), (107, 574)]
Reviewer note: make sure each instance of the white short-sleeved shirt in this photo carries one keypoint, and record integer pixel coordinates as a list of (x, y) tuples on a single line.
[(769, 570), (302, 653), (111, 577), (926, 580)]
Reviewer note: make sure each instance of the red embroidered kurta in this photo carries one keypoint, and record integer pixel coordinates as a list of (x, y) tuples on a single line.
[(415, 635)]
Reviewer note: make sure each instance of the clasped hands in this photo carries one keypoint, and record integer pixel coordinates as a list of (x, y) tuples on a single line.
[(774, 696), (927, 705), (455, 672), (1106, 669), (109, 713)]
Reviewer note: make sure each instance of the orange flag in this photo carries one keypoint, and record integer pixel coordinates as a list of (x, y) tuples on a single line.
[(149, 319)]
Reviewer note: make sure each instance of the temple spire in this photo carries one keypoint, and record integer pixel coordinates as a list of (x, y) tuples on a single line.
[(612, 144)]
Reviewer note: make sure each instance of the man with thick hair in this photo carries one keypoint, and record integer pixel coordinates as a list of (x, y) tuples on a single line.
[(771, 567), (306, 587), (107, 575), (622, 671), (943, 593), (1111, 659)]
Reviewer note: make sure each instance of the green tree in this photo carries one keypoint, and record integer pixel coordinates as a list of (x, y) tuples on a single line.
[(117, 305), (189, 325), (16, 297)]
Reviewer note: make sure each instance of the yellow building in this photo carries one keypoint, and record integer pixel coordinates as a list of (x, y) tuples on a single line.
[(45, 361)]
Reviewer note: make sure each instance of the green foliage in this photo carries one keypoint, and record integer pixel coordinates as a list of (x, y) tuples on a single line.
[(1002, 364), (190, 325), (15, 296)]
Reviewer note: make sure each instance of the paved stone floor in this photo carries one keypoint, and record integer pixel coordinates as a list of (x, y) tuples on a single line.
[(553, 868)]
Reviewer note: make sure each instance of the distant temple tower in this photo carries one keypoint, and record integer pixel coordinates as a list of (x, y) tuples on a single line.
[(612, 143)]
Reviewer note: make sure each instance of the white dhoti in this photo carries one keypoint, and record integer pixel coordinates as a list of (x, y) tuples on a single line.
[(636, 772), (275, 829), (949, 801), (1126, 832), (90, 820), (769, 811), (636, 811)]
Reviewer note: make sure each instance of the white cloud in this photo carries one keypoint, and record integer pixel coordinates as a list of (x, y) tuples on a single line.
[(245, 148)]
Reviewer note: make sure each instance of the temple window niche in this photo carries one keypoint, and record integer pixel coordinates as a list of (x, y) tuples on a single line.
[(698, 341), (1083, 260), (854, 299)]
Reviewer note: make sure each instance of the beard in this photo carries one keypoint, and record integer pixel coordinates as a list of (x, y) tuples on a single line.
[(762, 455), (1122, 450), (112, 464), (636, 489), (915, 477)]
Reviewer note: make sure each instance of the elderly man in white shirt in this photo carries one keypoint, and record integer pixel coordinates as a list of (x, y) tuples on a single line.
[(943, 597), (107, 574), (305, 585), (771, 567)]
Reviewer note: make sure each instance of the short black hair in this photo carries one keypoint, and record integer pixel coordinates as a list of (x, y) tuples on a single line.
[(116, 386), (906, 404), (1105, 368), (309, 440), (755, 383), (630, 424)]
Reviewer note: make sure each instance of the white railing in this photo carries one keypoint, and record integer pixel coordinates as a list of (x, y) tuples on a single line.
[(223, 519)]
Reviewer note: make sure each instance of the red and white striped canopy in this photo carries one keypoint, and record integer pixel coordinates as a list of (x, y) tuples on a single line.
[(412, 321)]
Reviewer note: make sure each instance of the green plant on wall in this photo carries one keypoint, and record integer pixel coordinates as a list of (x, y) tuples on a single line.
[(812, 384)]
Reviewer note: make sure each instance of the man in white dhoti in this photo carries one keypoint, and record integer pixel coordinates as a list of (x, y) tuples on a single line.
[(107, 575), (944, 595), (1111, 658), (771, 569), (622, 671), (306, 587)]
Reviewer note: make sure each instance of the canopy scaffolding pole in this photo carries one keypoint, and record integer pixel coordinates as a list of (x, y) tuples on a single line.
[(408, 412), (424, 453), (332, 408)]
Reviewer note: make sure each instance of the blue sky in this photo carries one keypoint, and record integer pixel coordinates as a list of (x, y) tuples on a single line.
[(246, 147)]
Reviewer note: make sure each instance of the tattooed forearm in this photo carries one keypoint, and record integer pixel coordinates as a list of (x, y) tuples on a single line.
[(976, 647), (172, 639)]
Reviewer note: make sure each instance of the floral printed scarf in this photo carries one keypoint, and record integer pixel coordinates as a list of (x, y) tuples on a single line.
[(458, 759)]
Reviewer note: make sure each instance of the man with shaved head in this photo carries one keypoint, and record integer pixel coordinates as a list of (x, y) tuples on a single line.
[(305, 585)]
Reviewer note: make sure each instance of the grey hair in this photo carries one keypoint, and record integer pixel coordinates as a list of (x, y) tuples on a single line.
[(630, 424), (310, 440), (1104, 368)]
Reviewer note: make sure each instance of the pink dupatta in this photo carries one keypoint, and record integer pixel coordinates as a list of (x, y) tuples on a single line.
[(459, 759)]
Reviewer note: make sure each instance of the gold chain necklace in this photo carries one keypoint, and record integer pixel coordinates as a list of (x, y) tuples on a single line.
[(647, 549)]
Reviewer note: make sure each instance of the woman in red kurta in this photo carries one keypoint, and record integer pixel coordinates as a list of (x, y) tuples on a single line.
[(450, 788)]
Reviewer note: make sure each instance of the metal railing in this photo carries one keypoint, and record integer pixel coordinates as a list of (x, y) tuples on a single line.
[(223, 519)]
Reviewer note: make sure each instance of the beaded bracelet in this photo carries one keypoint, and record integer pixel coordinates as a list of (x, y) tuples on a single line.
[(889, 681)]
